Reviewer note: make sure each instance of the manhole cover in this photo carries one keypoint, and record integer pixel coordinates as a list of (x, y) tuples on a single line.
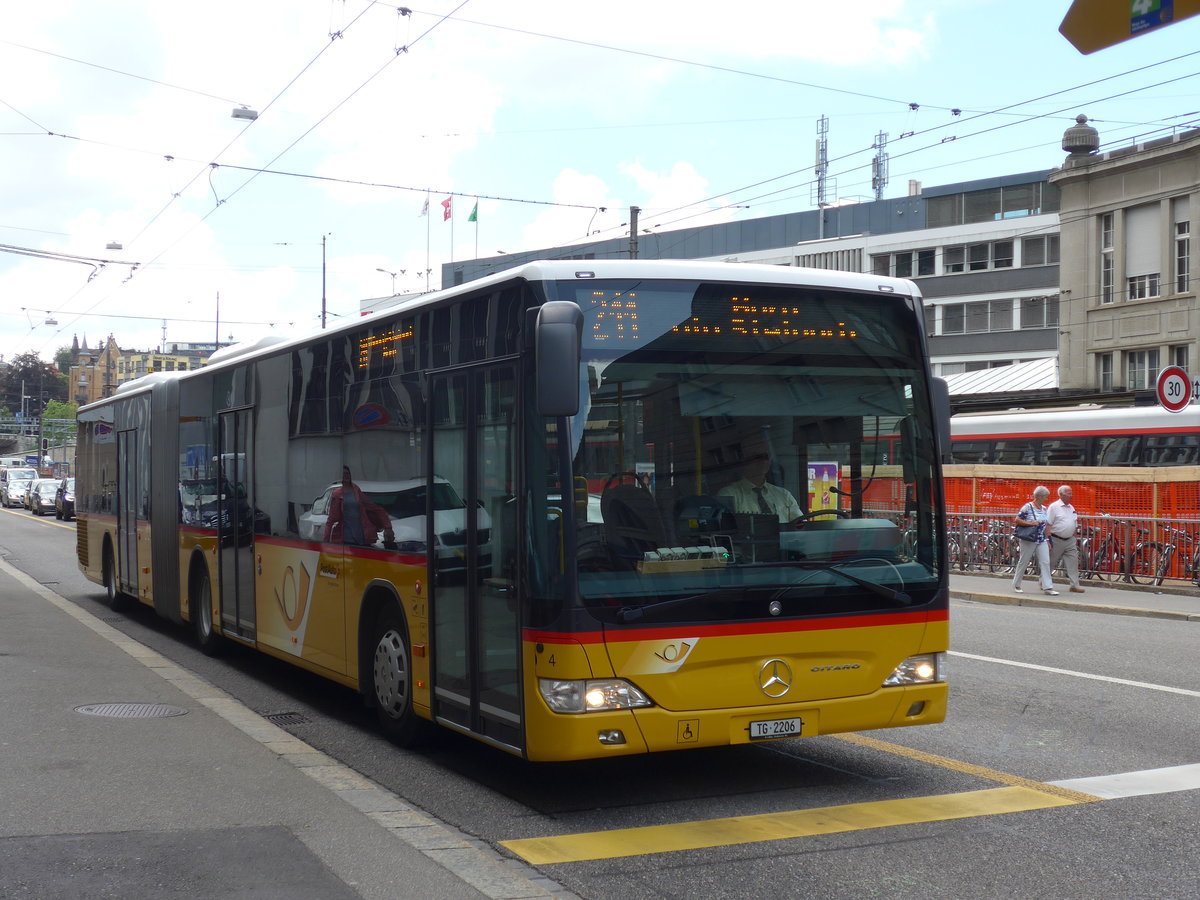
[(131, 710)]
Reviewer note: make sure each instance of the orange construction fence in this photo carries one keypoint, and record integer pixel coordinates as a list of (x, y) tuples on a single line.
[(1168, 492)]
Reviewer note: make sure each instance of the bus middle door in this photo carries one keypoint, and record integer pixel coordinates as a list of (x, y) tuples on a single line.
[(235, 524)]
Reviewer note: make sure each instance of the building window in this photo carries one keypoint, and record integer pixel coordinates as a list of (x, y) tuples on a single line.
[(1179, 356), (974, 318), (1144, 245), (991, 204), (976, 365), (907, 264), (1143, 286), (1104, 371), (978, 257), (1183, 249), (1106, 258), (1039, 251), (1141, 369), (1039, 312)]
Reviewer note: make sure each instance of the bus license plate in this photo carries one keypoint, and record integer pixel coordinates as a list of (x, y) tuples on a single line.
[(775, 728)]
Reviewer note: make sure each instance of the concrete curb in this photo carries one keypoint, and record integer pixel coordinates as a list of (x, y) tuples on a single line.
[(1075, 606), (472, 861)]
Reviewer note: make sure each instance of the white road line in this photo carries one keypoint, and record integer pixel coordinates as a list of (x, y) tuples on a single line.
[(1137, 784), (1139, 684)]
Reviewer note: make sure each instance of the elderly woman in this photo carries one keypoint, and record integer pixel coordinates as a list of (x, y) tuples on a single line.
[(1034, 540)]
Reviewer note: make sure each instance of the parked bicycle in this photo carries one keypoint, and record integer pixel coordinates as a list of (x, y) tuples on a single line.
[(1144, 560), (1179, 540), (1102, 552)]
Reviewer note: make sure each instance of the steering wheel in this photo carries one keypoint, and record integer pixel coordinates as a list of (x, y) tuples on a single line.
[(616, 478), (809, 516)]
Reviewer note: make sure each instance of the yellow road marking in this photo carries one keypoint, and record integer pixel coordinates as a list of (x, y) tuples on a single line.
[(32, 518), (779, 826), (1020, 795)]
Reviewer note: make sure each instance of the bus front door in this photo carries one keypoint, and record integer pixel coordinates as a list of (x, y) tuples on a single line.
[(476, 624), (235, 524)]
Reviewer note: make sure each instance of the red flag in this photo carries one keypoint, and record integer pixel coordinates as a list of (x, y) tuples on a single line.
[(446, 209)]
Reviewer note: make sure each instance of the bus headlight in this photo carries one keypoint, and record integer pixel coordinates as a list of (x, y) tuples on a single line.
[(924, 669), (591, 696)]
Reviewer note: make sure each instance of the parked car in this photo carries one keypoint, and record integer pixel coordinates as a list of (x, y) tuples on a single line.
[(64, 499), (40, 498), (14, 484)]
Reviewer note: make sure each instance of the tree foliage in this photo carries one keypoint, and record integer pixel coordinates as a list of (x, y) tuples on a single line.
[(26, 374), (61, 409)]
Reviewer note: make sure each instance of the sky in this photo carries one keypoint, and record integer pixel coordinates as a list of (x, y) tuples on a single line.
[(548, 119)]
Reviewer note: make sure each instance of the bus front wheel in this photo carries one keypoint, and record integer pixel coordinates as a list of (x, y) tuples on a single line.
[(391, 679)]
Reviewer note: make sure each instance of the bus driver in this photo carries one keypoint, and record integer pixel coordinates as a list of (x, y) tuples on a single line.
[(753, 494)]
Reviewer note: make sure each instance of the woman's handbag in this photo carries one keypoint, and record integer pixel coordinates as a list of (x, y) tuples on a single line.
[(1026, 532)]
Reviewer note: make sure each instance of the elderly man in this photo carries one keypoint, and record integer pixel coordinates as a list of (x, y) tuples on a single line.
[(1062, 521)]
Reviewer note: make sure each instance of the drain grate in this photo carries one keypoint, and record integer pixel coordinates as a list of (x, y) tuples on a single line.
[(287, 718), (131, 710)]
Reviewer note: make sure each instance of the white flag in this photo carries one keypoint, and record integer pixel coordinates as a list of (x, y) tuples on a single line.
[(425, 208)]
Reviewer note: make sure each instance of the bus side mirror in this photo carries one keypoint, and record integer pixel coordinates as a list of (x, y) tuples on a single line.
[(940, 391), (556, 348)]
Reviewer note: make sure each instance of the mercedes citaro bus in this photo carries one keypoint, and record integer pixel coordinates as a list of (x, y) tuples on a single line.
[(567, 611)]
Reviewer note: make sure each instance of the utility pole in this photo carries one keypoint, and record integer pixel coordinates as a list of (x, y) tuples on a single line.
[(633, 231), (41, 418), (323, 281)]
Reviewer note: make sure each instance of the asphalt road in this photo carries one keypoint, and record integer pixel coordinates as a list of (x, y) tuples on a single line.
[(964, 809)]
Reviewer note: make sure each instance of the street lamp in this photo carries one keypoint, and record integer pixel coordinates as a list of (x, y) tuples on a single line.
[(393, 274)]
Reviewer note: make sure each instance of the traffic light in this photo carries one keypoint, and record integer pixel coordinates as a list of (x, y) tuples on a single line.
[(45, 445)]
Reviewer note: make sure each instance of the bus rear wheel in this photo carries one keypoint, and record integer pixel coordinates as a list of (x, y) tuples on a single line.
[(200, 609), (114, 598), (391, 679)]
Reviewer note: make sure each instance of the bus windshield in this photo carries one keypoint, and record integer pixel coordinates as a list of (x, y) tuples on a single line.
[(748, 451)]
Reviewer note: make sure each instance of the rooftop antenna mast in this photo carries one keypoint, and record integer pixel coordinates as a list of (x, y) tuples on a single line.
[(821, 171), (879, 165)]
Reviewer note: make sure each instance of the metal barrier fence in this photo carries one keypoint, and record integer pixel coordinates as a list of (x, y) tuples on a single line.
[(1111, 548)]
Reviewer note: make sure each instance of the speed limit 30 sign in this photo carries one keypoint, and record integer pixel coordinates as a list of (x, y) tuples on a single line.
[(1174, 389)]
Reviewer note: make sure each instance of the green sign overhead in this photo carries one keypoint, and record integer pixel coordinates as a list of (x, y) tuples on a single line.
[(1092, 25)]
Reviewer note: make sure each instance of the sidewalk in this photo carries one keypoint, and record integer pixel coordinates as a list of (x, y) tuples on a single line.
[(1171, 601), (169, 787)]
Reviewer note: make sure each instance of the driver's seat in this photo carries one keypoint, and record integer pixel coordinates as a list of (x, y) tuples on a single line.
[(632, 524)]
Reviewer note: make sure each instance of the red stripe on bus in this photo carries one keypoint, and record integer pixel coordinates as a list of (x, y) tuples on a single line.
[(733, 629), (405, 559), (1058, 433)]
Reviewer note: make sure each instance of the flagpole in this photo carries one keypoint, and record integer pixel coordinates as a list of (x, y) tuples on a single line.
[(450, 210), (475, 216), (427, 217)]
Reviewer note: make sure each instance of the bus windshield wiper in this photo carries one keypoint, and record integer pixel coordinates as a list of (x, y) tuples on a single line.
[(633, 613), (898, 597)]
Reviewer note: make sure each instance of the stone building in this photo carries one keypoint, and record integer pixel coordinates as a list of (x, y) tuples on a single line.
[(1128, 296)]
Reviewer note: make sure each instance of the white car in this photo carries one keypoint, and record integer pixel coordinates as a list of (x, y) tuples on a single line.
[(405, 504), (15, 485)]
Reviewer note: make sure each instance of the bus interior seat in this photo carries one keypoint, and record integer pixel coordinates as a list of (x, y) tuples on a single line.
[(632, 523)]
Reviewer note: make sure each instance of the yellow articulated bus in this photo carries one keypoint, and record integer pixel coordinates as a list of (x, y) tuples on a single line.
[(574, 509)]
